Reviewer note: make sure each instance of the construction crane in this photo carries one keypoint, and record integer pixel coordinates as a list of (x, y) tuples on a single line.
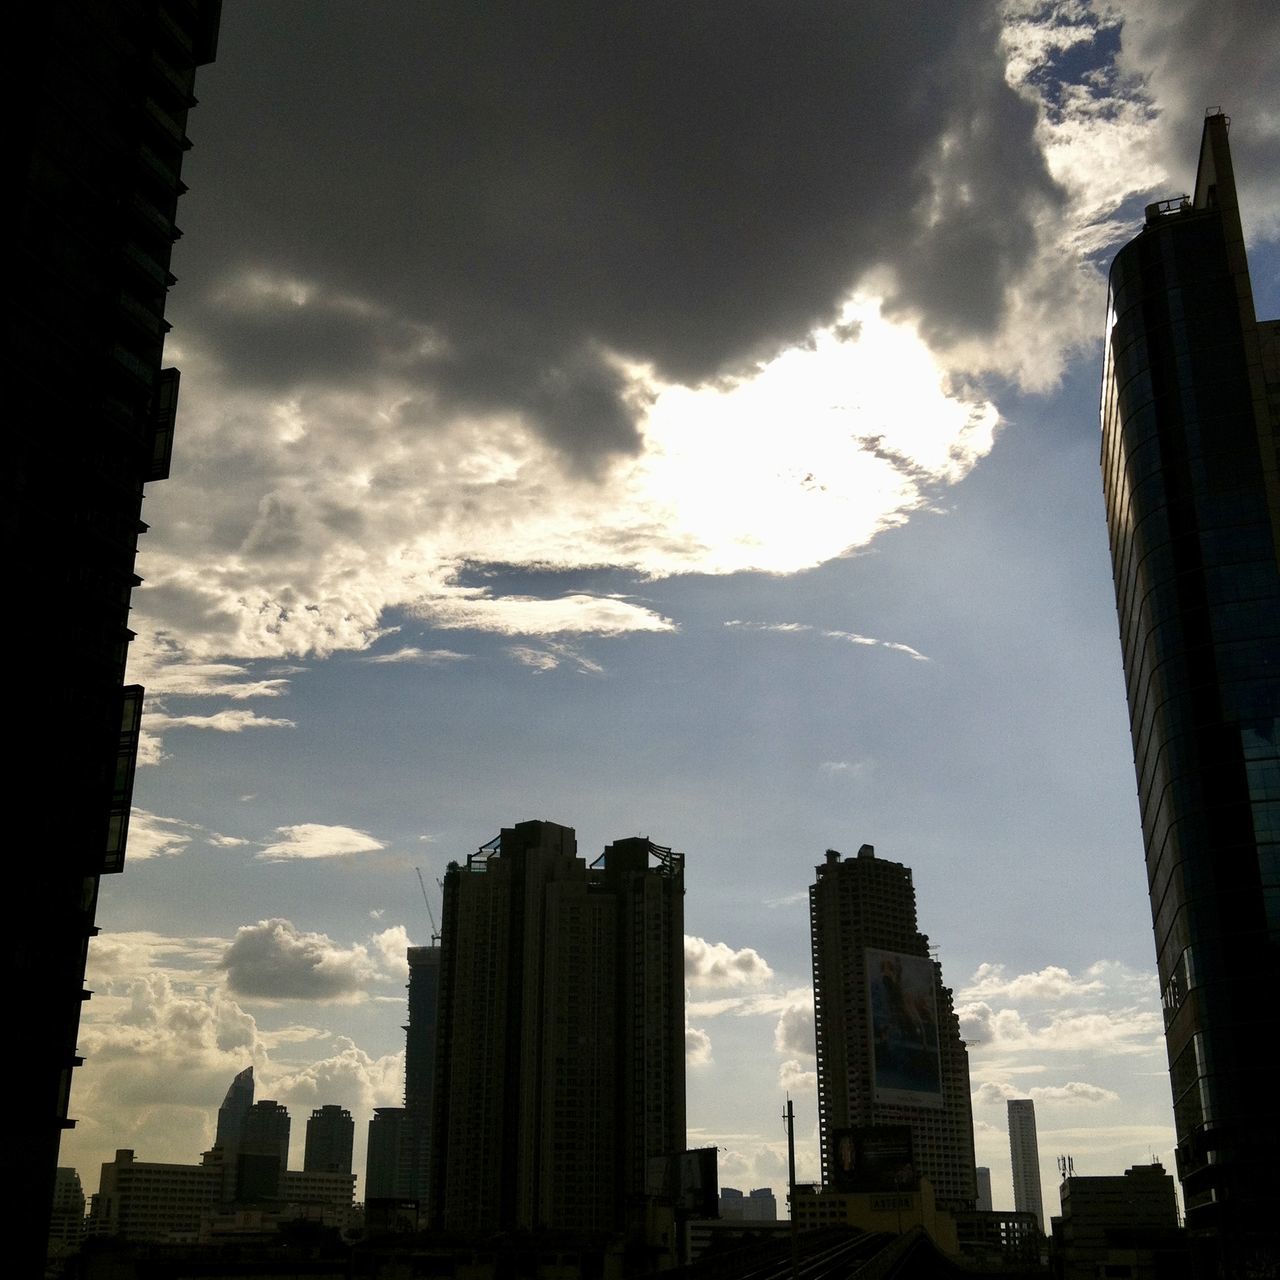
[(435, 931)]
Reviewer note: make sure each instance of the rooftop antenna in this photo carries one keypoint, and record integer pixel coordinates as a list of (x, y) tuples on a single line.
[(435, 932)]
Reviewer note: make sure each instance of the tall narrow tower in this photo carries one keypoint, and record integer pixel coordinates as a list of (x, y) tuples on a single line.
[(1190, 422), (1024, 1157), (561, 1017), (330, 1136), (420, 1067), (888, 1041)]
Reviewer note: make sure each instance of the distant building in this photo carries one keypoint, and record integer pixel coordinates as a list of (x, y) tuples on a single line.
[(561, 1047), (893, 1073), (1190, 417), (330, 1136), (66, 1226), (984, 1188), (1121, 1226), (144, 1201), (1024, 1156), (263, 1153), (235, 1106), (98, 104), (386, 1169), (420, 1067), (759, 1205)]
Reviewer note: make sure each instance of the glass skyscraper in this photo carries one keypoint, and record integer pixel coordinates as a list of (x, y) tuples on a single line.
[(1190, 407)]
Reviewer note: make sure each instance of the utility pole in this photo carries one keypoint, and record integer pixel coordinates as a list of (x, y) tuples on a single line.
[(789, 1118)]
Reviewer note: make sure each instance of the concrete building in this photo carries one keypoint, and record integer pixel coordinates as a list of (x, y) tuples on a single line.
[(420, 1067), (330, 1137), (1024, 1157), (758, 1205), (560, 1063), (1190, 416), (386, 1168), (66, 1226), (890, 1056), (983, 1175), (99, 95), (140, 1200), (1121, 1226)]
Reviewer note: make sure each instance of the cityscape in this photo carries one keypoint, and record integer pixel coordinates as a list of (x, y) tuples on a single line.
[(618, 464)]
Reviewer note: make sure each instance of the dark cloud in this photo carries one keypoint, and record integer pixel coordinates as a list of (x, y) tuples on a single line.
[(691, 184), (274, 960)]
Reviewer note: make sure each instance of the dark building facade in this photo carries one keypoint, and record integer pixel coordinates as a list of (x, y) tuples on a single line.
[(420, 1067), (99, 99), (889, 1050), (1190, 406), (330, 1136), (560, 1055)]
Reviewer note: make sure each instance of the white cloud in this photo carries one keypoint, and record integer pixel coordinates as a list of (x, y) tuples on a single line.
[(997, 1093), (318, 840), (222, 721), (411, 653), (794, 1033), (1050, 983), (716, 964), (1133, 1030), (151, 836), (552, 654), (794, 1077), (391, 946), (850, 637), (274, 960), (697, 1047)]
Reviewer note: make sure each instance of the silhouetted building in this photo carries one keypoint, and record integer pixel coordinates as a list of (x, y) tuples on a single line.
[(330, 1136), (420, 1066), (1190, 412), (386, 1168), (66, 1226), (983, 1175), (890, 1056), (235, 1106), (560, 1066), (1024, 1158), (759, 1205), (142, 1200), (1121, 1226), (99, 95)]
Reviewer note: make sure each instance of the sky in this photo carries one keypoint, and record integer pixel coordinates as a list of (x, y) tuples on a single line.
[(663, 419)]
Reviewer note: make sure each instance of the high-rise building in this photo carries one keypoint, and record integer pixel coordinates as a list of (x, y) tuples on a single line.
[(98, 112), (984, 1188), (888, 1041), (420, 1067), (330, 1135), (235, 1106), (1190, 418), (263, 1152), (1024, 1157), (560, 1064), (386, 1168)]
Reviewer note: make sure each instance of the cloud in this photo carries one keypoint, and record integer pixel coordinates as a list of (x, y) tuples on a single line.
[(391, 946), (318, 840), (1111, 1031), (273, 960), (850, 637), (697, 1047), (551, 655), (716, 964), (992, 1093), (222, 721), (1050, 983), (795, 1078), (151, 836), (795, 1033), (411, 653)]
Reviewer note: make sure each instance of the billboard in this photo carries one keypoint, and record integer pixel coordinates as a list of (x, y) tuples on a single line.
[(901, 998), (687, 1179), (873, 1158)]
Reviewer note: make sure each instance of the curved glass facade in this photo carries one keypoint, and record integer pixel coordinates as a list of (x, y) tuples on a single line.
[(1193, 542)]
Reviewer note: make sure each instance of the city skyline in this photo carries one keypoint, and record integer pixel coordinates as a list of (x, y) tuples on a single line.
[(719, 674)]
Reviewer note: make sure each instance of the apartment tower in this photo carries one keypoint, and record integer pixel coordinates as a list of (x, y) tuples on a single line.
[(888, 1041), (99, 94), (560, 1054), (1190, 420), (330, 1137), (1024, 1158)]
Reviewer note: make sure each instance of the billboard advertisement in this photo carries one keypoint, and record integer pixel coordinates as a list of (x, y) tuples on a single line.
[(873, 1158), (901, 998)]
